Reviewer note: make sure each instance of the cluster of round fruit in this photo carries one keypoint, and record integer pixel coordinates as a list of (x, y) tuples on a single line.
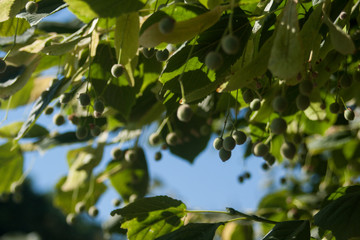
[(244, 176), (80, 207), (129, 155), (226, 145), (230, 45), (161, 55)]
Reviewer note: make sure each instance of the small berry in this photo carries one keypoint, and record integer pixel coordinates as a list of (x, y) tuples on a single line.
[(99, 106), (269, 158), (283, 180), (95, 131), (48, 110), (346, 81), (261, 149), (306, 87), (130, 155), (343, 15), (184, 113), (302, 102), (158, 156), (255, 104), (31, 7), (229, 143), (59, 119), (84, 99), (349, 114), (117, 70), (279, 104), (70, 218), (224, 155), (117, 153), (335, 108), (73, 119), (15, 187), (265, 166), (248, 96), (213, 60), (230, 44), (278, 126), (241, 178), (218, 143), (3, 65), (154, 139), (65, 98), (166, 25), (288, 150), (162, 55), (93, 211), (116, 202), (148, 52), (239, 137), (82, 132), (247, 175), (172, 139), (80, 207)]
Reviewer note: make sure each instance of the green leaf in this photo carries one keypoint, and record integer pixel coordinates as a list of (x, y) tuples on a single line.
[(237, 231), (286, 59), (11, 166), (299, 230), (9, 8), (332, 141), (130, 178), (198, 231), (11, 130), (89, 192), (86, 10), (341, 213), (149, 218), (8, 28)]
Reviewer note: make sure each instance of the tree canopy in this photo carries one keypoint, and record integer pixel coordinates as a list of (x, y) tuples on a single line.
[(281, 78)]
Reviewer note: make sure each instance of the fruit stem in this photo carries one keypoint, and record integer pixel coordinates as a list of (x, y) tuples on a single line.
[(160, 128), (14, 43), (7, 110), (232, 4)]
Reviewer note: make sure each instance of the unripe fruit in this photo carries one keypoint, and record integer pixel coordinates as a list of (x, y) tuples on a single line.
[(166, 25), (261, 149), (335, 108), (80, 207), (184, 113), (230, 44), (162, 55), (130, 155), (158, 156), (70, 218), (95, 131), (349, 114), (65, 98), (269, 158), (218, 143), (265, 166), (93, 211), (279, 104), (99, 106), (241, 179), (306, 87), (224, 155), (278, 126), (58, 119), (247, 175), (302, 102), (31, 7), (117, 70), (255, 104), (117, 153), (345, 81), (213, 60), (154, 139), (239, 137), (229, 143), (288, 150), (15, 187), (116, 202), (3, 65), (48, 110), (248, 96), (73, 119), (343, 15), (172, 139), (148, 52), (84, 99), (82, 132)]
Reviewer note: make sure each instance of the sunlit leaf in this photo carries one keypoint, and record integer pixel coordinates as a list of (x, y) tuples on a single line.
[(8, 27), (9, 8), (11, 130), (236, 231)]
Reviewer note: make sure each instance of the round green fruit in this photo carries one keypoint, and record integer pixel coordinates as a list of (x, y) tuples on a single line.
[(117, 70), (65, 98), (80, 207), (279, 104), (95, 131), (184, 113), (117, 153), (73, 119), (99, 106), (130, 155), (166, 25), (148, 52), (230, 44), (116, 202), (255, 104), (31, 7), (261, 149), (224, 155), (213, 60), (343, 15), (349, 114), (93, 211), (306, 87), (59, 119), (158, 156), (288, 150), (229, 143), (239, 137), (172, 139), (162, 55), (48, 110), (278, 126), (15, 187), (335, 108), (265, 166), (154, 139), (3, 65), (218, 143), (248, 96), (81, 132), (84, 99), (302, 102), (70, 218), (269, 158)]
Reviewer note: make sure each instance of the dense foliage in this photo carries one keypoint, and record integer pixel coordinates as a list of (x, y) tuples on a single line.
[(280, 77)]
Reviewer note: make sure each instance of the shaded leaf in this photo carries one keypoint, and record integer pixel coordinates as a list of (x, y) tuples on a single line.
[(8, 28), (196, 231), (60, 139), (11, 131), (332, 141), (151, 217), (299, 230)]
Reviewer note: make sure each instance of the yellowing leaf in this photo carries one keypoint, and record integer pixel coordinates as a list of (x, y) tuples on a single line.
[(286, 54), (9, 8), (183, 30)]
